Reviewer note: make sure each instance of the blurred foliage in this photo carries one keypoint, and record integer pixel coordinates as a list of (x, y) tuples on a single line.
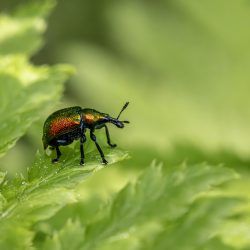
[(183, 65), (133, 221), (46, 189)]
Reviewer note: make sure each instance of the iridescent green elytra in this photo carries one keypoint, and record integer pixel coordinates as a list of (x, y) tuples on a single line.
[(66, 125)]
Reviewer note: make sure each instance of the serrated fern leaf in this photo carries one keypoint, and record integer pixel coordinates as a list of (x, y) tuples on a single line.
[(162, 200), (46, 189)]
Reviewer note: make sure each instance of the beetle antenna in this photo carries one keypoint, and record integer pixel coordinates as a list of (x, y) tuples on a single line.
[(123, 108)]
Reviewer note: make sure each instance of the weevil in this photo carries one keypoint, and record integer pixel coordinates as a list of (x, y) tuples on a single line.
[(64, 126)]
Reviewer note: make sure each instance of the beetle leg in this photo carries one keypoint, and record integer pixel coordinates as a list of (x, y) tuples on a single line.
[(82, 140), (58, 154), (108, 137), (93, 138)]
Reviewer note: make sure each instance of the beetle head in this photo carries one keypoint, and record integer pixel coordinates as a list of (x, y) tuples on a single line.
[(115, 121)]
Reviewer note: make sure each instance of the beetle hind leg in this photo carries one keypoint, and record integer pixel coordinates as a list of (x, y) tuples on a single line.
[(58, 154)]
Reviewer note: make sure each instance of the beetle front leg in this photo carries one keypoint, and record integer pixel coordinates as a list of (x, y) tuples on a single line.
[(58, 154), (93, 138), (82, 140), (108, 137)]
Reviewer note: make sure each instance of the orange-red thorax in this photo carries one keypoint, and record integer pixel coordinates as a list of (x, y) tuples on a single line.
[(92, 117)]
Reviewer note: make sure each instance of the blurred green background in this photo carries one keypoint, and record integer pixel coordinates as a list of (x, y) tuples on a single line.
[(183, 65)]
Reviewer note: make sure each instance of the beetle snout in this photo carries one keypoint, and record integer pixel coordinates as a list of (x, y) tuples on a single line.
[(116, 122), (119, 124)]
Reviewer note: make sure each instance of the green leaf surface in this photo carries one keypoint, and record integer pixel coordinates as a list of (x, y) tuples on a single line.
[(155, 203), (70, 237), (26, 92), (15, 236), (197, 228), (47, 188)]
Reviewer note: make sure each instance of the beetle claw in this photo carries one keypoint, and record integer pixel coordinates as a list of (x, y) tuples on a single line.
[(54, 160), (81, 162), (113, 145), (104, 161)]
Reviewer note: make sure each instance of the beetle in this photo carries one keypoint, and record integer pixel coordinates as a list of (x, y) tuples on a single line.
[(64, 126)]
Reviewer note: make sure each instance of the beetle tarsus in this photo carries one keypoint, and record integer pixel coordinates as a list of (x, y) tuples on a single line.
[(55, 160), (104, 161)]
